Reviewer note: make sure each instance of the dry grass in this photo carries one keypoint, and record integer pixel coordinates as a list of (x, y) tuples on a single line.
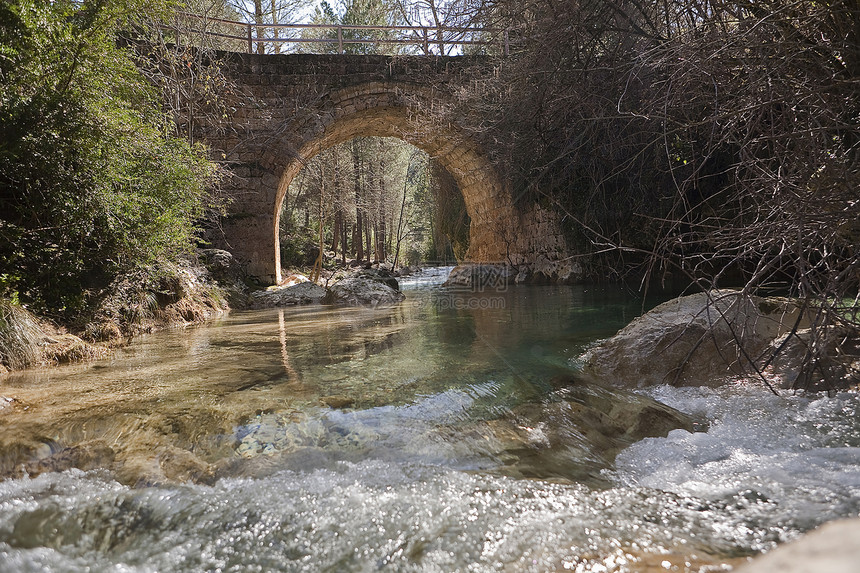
[(20, 337), (25, 342), (67, 348)]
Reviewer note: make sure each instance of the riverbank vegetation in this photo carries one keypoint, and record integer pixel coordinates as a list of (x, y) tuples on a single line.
[(94, 182), (717, 141)]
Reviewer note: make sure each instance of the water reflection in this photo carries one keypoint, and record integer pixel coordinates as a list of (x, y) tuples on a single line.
[(192, 394)]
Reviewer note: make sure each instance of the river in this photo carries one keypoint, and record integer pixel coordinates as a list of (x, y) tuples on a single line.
[(427, 436)]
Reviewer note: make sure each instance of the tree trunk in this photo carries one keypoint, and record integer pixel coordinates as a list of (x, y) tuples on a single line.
[(276, 47), (357, 242), (337, 204), (367, 238), (380, 216), (343, 245), (317, 270), (399, 233), (389, 245), (258, 19), (336, 232)]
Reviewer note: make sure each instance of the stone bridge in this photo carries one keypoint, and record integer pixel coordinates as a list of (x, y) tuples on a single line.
[(298, 105)]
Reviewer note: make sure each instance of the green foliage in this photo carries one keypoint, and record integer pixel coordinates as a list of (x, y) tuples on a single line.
[(299, 248), (355, 13), (91, 183)]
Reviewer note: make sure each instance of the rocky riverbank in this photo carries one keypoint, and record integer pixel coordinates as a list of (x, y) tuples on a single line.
[(365, 287), (716, 337), (178, 295), (167, 295)]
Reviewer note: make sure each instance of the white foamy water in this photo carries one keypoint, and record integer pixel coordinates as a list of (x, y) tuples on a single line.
[(766, 469), (407, 478), (427, 278), (793, 461)]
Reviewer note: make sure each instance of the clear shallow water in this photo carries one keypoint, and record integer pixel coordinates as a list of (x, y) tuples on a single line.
[(412, 472)]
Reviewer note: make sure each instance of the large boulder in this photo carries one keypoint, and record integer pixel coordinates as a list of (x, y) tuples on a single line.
[(838, 359), (481, 277), (222, 266), (702, 339), (362, 291), (381, 275), (301, 293), (832, 548)]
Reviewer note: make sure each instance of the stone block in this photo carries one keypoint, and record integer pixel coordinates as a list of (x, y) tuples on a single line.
[(308, 102)]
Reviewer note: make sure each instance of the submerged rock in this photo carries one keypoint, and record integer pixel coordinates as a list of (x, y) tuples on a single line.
[(337, 401), (300, 293), (702, 339), (362, 291), (272, 434), (178, 465), (85, 456), (574, 435), (161, 464)]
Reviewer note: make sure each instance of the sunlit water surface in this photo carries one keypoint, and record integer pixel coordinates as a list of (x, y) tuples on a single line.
[(396, 475)]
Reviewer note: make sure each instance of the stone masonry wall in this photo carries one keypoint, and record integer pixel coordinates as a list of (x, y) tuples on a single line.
[(294, 106)]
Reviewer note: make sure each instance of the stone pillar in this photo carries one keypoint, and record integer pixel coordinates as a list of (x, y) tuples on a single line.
[(249, 229), (251, 240)]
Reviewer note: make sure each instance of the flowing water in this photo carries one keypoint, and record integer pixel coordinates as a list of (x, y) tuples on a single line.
[(435, 435)]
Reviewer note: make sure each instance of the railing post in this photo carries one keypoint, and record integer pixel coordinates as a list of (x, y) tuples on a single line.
[(257, 42)]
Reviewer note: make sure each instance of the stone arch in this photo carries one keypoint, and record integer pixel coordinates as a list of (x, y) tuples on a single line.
[(382, 109)]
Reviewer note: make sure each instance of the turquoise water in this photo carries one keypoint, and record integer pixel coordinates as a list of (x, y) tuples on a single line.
[(430, 436)]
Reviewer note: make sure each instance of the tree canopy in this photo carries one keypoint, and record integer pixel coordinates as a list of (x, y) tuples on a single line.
[(92, 181)]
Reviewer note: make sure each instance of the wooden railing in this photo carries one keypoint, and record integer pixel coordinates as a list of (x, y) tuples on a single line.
[(257, 37)]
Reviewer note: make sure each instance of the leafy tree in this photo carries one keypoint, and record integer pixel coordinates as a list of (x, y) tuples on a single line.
[(376, 199), (92, 185), (354, 13)]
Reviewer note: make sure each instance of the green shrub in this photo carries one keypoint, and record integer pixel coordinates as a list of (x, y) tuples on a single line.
[(92, 184)]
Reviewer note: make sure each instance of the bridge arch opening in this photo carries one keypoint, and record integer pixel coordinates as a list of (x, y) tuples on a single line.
[(372, 200), (366, 114)]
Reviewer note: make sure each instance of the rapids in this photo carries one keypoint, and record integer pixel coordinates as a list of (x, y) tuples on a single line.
[(342, 439)]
